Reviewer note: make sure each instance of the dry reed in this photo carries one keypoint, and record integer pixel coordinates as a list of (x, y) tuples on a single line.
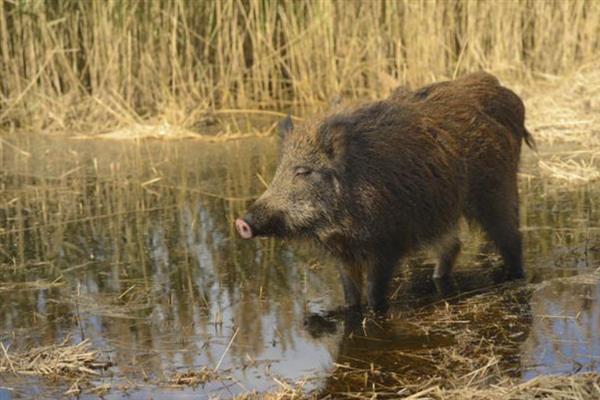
[(196, 377), (582, 386), (95, 66), (570, 170), (39, 284), (59, 360), (568, 111)]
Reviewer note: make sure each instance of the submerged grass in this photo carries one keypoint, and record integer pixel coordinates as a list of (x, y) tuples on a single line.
[(482, 343), (487, 329), (96, 66), (196, 377)]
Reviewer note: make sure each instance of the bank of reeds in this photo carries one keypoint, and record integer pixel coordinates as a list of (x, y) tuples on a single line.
[(93, 65)]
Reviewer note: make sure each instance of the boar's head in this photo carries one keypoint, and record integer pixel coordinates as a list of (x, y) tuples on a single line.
[(304, 197)]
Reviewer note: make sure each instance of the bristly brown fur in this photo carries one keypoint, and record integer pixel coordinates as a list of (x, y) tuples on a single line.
[(381, 179)]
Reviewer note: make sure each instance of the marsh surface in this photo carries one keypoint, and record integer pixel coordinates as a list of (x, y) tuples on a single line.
[(132, 246)]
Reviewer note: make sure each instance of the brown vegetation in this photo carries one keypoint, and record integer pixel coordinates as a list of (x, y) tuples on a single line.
[(94, 65), (59, 360)]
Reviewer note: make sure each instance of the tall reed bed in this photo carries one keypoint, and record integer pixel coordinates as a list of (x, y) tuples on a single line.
[(114, 62)]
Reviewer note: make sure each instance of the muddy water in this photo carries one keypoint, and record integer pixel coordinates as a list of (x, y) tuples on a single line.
[(131, 246)]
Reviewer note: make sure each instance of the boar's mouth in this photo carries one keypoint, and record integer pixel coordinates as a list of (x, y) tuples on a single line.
[(259, 223)]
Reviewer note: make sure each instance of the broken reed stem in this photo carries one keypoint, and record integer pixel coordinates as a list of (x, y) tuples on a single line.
[(227, 349)]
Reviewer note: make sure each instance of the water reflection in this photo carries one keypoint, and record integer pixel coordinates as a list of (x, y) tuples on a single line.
[(564, 335), (132, 246)]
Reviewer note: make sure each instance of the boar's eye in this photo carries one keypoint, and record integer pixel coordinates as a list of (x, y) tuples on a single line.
[(301, 171)]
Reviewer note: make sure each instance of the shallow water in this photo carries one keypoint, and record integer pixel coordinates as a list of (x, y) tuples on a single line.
[(132, 246)]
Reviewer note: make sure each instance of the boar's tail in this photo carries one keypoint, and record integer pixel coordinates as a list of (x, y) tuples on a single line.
[(529, 140)]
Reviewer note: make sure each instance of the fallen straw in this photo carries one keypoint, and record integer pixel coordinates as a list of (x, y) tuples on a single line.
[(62, 360)]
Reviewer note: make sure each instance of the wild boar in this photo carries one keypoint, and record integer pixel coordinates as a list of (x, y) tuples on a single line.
[(372, 183)]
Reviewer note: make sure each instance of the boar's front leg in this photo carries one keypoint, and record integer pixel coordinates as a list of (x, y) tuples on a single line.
[(351, 276), (379, 274)]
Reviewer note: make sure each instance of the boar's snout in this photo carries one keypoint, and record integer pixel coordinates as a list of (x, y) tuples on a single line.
[(243, 228), (261, 219)]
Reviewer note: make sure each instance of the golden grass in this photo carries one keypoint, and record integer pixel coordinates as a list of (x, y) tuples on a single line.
[(569, 110), (59, 360), (196, 377), (38, 284), (96, 66), (582, 386), (571, 170), (566, 112), (574, 387), (286, 391)]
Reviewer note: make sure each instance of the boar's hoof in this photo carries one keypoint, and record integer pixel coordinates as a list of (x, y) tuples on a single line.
[(378, 311), (319, 326)]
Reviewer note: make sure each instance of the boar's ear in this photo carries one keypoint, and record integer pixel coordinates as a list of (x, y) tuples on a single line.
[(285, 126), (335, 101), (334, 140)]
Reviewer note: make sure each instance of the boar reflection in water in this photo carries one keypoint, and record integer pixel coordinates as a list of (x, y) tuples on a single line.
[(374, 182)]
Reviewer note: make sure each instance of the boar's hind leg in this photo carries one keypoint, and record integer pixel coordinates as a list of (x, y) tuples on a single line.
[(499, 218), (448, 249)]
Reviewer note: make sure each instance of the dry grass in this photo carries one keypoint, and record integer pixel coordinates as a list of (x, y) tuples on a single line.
[(582, 386), (286, 391), (574, 387), (196, 377), (98, 66), (572, 170), (569, 111), (60, 360), (39, 284)]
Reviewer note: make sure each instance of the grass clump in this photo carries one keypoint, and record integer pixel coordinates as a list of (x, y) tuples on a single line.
[(196, 377), (62, 360)]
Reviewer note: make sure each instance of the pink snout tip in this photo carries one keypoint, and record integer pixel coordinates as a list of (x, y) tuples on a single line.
[(243, 229)]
